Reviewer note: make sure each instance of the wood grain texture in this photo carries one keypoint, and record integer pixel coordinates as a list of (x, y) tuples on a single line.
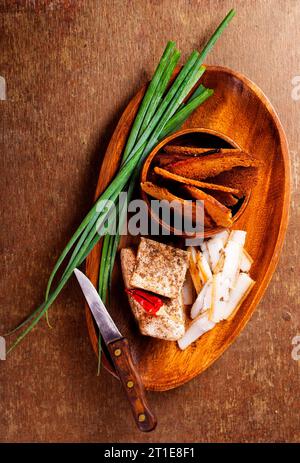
[(162, 365), (64, 97)]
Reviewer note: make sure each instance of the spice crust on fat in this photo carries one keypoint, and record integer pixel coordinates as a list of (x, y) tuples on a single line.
[(170, 325), (160, 268)]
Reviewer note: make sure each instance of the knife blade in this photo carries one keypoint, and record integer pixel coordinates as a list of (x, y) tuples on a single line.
[(120, 354)]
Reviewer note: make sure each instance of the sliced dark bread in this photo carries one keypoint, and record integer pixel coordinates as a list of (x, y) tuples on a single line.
[(228, 199), (189, 181), (218, 212), (163, 193), (243, 178)]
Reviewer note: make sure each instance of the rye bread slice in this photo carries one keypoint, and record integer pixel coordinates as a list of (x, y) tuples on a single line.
[(199, 168), (163, 159), (193, 150), (189, 181), (243, 178), (162, 193), (228, 199), (176, 153)]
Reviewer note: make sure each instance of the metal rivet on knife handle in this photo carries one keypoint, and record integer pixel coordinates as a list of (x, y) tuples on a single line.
[(130, 384), (118, 352), (142, 417)]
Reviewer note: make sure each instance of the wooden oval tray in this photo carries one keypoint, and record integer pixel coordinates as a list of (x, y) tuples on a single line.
[(240, 110)]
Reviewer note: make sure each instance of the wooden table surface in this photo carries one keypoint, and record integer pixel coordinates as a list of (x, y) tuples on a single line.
[(70, 68)]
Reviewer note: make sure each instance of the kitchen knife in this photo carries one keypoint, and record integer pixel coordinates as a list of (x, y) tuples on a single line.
[(120, 354)]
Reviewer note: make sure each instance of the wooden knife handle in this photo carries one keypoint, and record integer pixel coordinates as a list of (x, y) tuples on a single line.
[(133, 386)]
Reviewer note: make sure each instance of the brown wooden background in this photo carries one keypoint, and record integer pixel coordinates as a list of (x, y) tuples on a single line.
[(70, 68)]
